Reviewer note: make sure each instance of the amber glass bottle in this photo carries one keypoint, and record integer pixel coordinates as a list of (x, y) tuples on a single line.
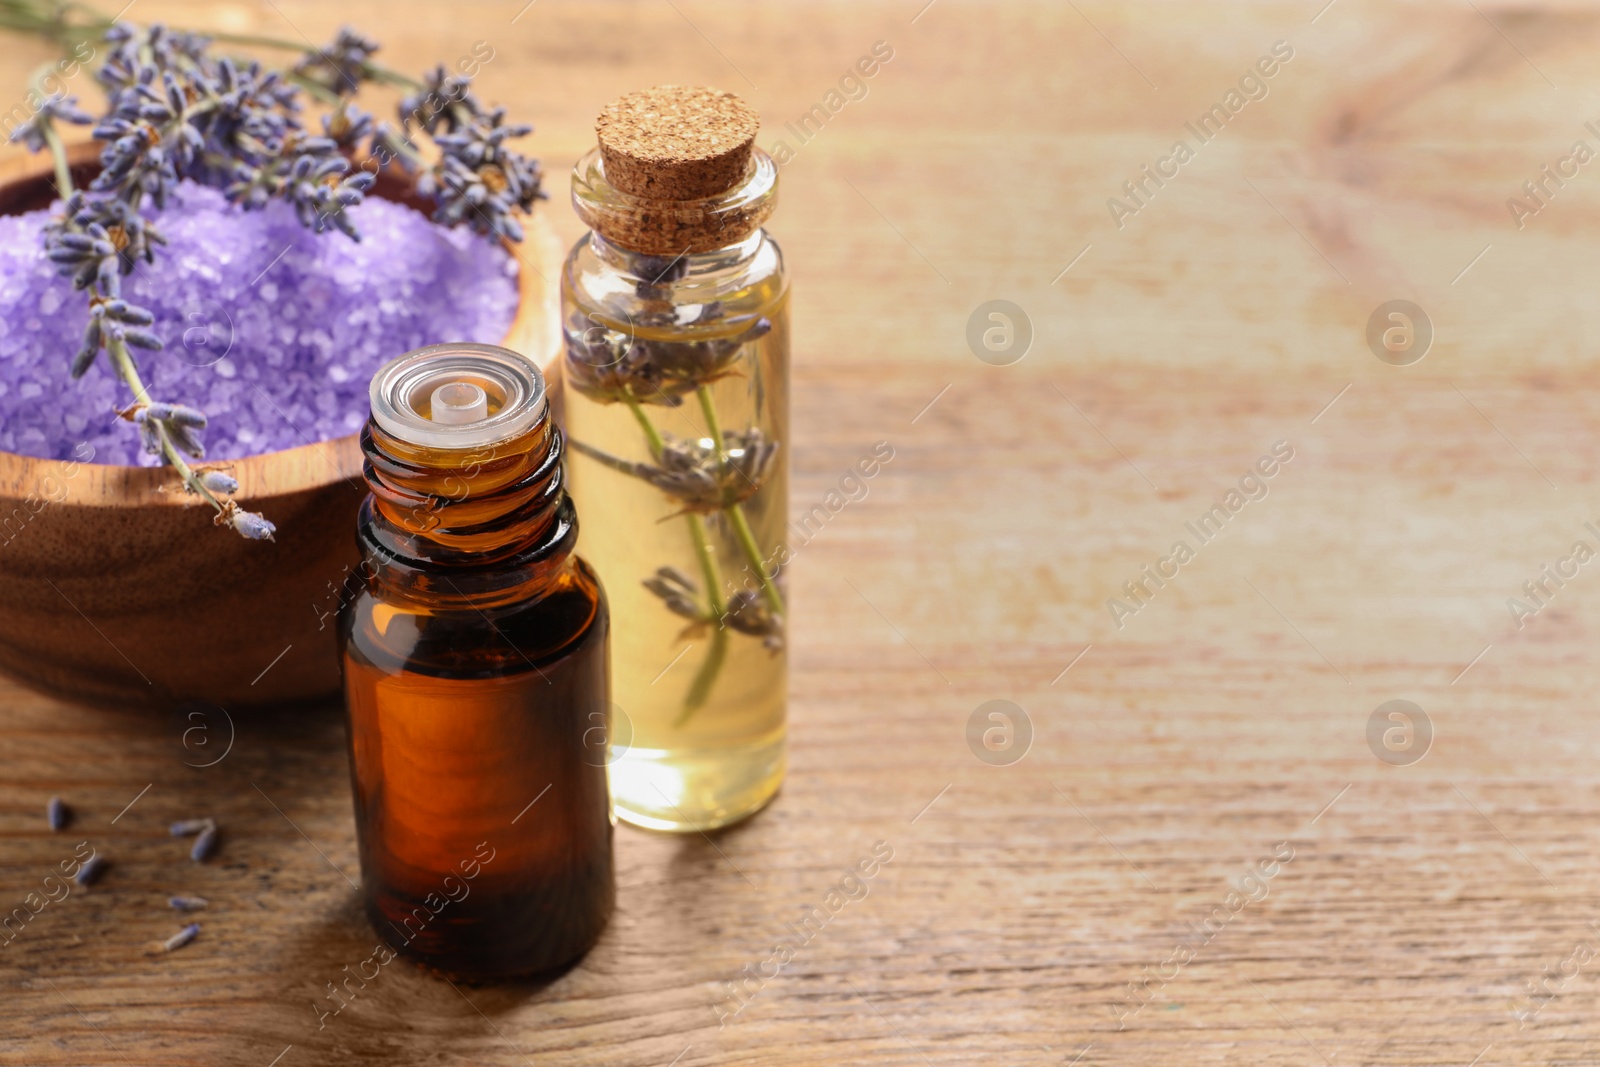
[(474, 650), (676, 379)]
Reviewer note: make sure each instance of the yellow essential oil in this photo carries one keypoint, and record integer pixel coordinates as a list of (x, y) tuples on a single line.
[(675, 312)]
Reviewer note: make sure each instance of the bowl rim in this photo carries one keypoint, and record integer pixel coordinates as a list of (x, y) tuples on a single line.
[(534, 331)]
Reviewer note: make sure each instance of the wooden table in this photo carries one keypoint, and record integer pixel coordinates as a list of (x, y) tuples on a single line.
[(1029, 908)]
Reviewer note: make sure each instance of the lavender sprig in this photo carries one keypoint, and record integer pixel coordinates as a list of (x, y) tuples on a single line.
[(176, 111), (58, 107), (479, 182), (341, 67)]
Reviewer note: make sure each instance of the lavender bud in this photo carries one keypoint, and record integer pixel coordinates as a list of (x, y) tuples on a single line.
[(58, 813), (218, 482), (182, 937), (143, 339), (187, 903), (83, 361), (91, 871), (204, 845), (184, 440), (129, 313), (149, 436), (107, 278), (254, 526), (185, 827), (186, 416)]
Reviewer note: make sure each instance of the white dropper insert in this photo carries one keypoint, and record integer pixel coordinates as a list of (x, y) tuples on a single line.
[(458, 403)]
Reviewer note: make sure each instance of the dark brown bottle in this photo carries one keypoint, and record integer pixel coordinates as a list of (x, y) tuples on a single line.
[(476, 681)]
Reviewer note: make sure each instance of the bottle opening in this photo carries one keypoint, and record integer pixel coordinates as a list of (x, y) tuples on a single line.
[(458, 403), (458, 396)]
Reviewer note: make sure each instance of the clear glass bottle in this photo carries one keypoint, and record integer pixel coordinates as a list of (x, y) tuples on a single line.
[(474, 651), (675, 395)]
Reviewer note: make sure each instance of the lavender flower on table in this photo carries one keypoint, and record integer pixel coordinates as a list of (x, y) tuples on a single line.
[(187, 903), (181, 938), (206, 841), (91, 870), (204, 845), (58, 813)]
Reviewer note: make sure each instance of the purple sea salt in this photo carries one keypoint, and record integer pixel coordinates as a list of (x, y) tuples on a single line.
[(271, 330)]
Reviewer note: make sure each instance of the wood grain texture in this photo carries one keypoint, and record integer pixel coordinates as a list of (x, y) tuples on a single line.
[(1223, 721)]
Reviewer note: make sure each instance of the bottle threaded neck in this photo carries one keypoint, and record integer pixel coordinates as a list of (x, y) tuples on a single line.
[(465, 466)]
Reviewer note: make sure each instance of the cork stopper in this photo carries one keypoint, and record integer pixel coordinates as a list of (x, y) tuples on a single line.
[(676, 142)]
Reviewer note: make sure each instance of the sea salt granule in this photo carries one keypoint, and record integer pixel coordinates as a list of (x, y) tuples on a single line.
[(271, 330)]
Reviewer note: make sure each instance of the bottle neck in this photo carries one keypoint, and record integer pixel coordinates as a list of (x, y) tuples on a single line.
[(650, 272), (473, 527), (668, 229)]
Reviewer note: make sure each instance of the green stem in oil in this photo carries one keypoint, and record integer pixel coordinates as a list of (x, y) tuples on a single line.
[(700, 689), (735, 512), (651, 434), (752, 554), (705, 677)]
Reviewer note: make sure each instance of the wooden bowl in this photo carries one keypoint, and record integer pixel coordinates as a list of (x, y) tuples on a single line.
[(116, 587)]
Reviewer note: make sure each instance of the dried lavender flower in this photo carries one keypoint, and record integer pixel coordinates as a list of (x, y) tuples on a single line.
[(178, 415), (219, 481), (205, 844), (251, 524), (58, 813), (187, 903), (340, 67), (702, 478), (176, 111), (348, 127), (480, 183), (182, 937), (91, 870), (677, 592), (55, 107), (444, 100), (749, 613), (185, 827), (609, 366), (746, 611)]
